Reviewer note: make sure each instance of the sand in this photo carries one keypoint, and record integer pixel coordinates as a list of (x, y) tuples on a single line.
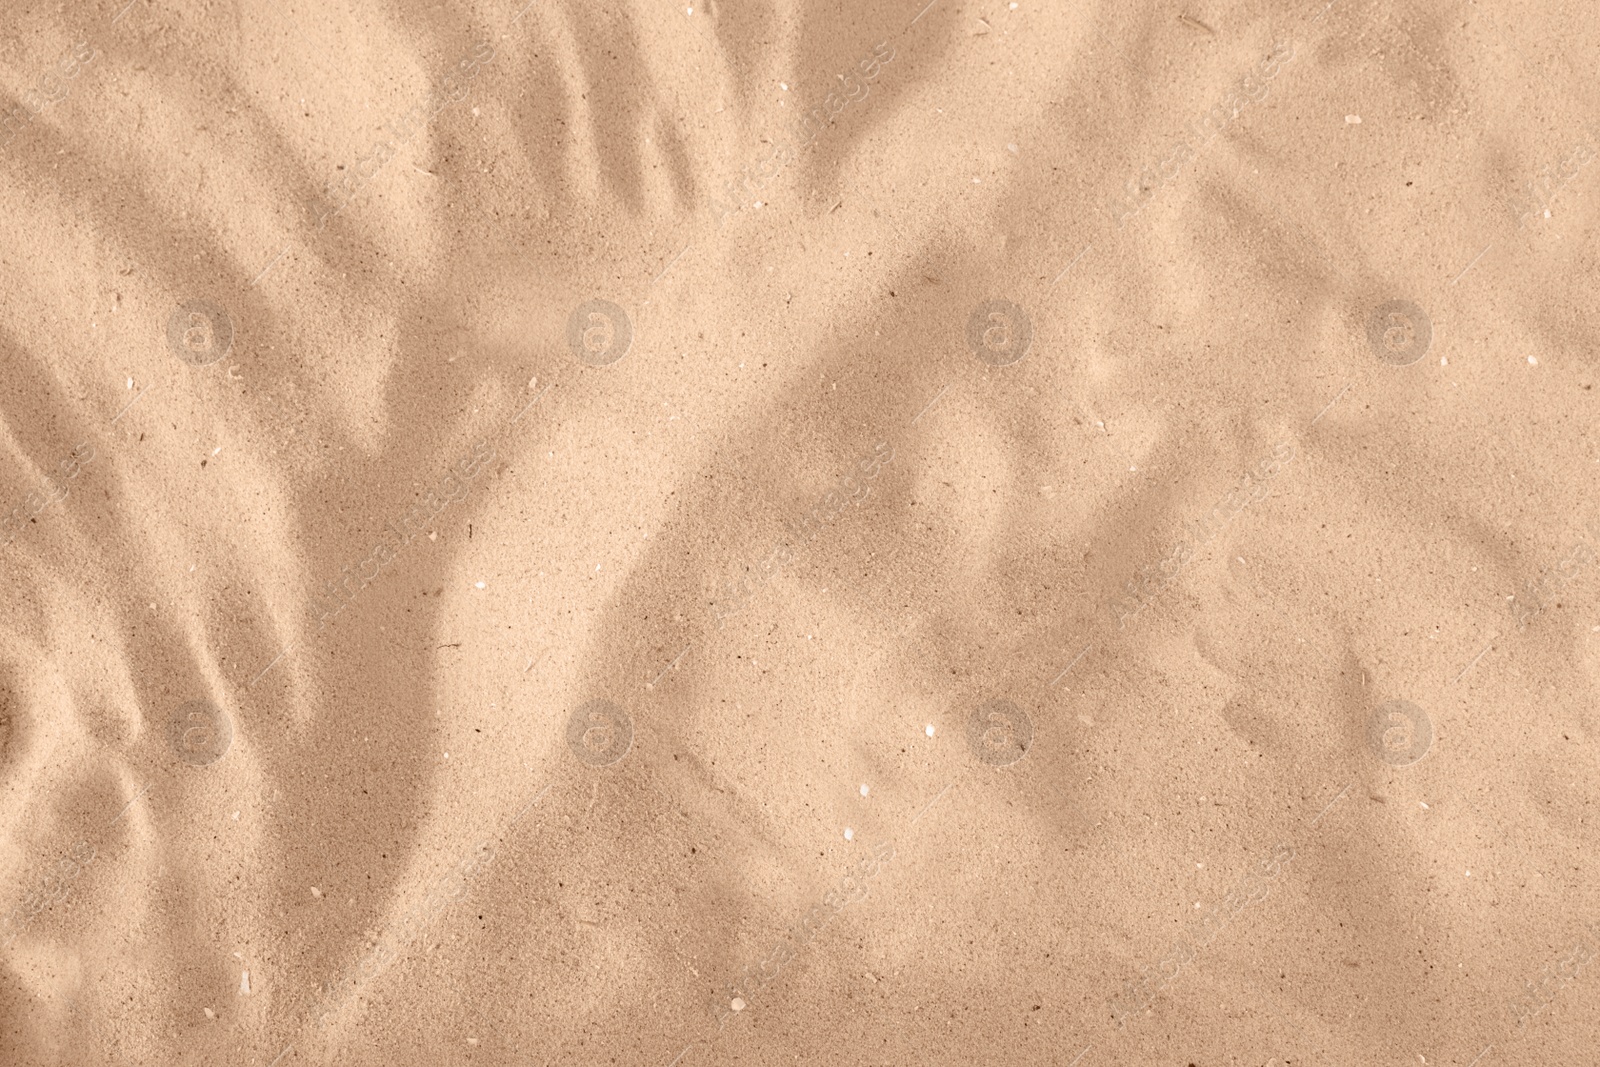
[(744, 534)]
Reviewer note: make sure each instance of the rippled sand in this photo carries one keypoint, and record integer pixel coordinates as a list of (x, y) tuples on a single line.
[(863, 534)]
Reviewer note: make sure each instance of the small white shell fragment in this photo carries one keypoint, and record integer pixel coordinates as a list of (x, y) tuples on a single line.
[(316, 892), (737, 1005), (210, 1014), (1354, 120), (244, 984)]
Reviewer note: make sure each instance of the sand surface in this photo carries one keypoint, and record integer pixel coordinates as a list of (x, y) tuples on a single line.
[(749, 533)]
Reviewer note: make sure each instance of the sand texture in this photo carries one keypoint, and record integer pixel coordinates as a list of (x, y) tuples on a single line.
[(808, 532)]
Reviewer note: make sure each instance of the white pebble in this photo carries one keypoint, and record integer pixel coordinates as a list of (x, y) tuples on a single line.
[(928, 729), (482, 585), (210, 1014), (737, 1005), (316, 892), (849, 834), (864, 789), (1354, 120), (1533, 360)]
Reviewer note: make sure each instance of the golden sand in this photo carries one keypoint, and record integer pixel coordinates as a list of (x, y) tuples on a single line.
[(720, 533)]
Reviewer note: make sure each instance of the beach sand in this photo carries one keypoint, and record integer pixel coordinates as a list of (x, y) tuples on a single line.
[(808, 533)]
